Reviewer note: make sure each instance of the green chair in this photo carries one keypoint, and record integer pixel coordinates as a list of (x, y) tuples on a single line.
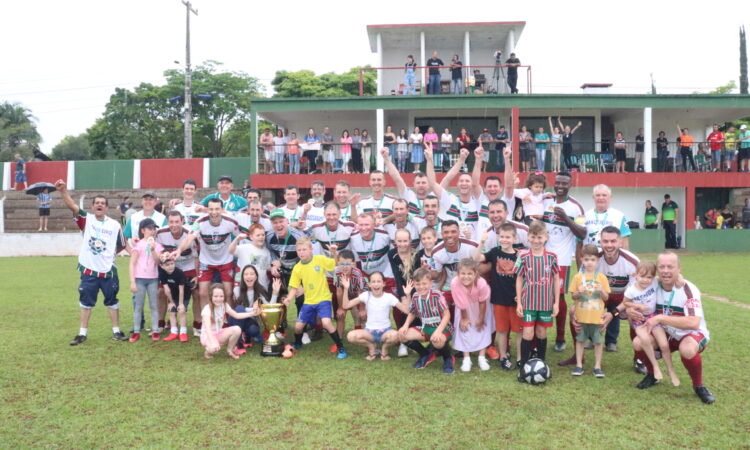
[(589, 162)]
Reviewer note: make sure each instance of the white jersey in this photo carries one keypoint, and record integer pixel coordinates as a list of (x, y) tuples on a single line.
[(522, 236), (214, 240), (188, 212), (465, 213), (370, 205), (621, 273), (686, 302), (346, 212), (595, 221), (315, 216), (646, 297), (378, 309), (483, 203), (443, 259), (131, 227), (324, 236), (245, 221), (373, 254), (186, 260), (414, 225), (102, 239), (414, 204), (259, 257), (561, 240), (293, 214)]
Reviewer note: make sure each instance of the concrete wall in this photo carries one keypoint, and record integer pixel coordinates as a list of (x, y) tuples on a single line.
[(35, 244)]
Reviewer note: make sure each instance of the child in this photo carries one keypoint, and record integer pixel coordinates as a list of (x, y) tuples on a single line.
[(378, 326), (310, 272), (251, 295), (177, 289), (474, 321), (537, 287), (144, 278), (428, 305), (45, 199), (590, 290), (347, 266), (214, 315), (641, 295), (502, 259), (423, 258), (533, 196), (254, 253)]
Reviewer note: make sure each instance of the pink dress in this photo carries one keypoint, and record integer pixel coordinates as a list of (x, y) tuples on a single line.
[(467, 302)]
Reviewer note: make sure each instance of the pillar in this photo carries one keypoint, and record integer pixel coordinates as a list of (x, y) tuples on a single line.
[(380, 129), (647, 148), (515, 128), (379, 51), (467, 56), (71, 175), (253, 154), (422, 62)]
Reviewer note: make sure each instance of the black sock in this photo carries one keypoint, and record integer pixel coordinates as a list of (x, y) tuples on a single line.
[(445, 352), (525, 350), (417, 347), (541, 350), (298, 339), (337, 339)]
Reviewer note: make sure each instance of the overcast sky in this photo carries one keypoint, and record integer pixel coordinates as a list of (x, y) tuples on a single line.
[(64, 59)]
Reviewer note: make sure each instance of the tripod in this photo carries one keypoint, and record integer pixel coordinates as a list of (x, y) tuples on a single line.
[(496, 73)]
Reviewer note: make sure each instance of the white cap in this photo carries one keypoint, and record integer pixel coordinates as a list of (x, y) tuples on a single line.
[(743, 127)]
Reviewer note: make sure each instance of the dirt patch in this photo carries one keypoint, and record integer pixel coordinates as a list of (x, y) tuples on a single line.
[(727, 301)]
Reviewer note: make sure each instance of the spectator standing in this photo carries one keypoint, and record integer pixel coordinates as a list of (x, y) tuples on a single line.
[(125, 205), (651, 217), (670, 213), (639, 151), (278, 150), (710, 218), (567, 140), (728, 216), (410, 78), (541, 139), (326, 140), (697, 224), (501, 140), (555, 146), (432, 137), (743, 141), (686, 148), (512, 64), (434, 63), (746, 214), (402, 141), (716, 143), (246, 187), (312, 144), (730, 145), (389, 140), (20, 176), (366, 150), (620, 155), (293, 151), (662, 152), (485, 139), (417, 155), (356, 151), (457, 76), (266, 142), (346, 150), (45, 200), (446, 146), (524, 148)]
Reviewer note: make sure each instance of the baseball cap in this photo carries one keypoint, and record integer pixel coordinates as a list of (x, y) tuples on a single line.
[(147, 223), (276, 213), (226, 177), (149, 194), (743, 127)]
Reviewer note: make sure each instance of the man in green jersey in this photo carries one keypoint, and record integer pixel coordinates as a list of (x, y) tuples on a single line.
[(651, 218), (669, 215)]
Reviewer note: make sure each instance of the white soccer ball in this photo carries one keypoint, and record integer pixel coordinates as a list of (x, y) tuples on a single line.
[(535, 371)]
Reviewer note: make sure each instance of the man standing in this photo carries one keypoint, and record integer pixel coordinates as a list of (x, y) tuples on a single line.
[(370, 246), (716, 144), (266, 142), (601, 216), (148, 202), (414, 198), (686, 148), (651, 217), (497, 217), (662, 152), (501, 140), (188, 207), (457, 76), (461, 208), (446, 256), (669, 215), (485, 139), (512, 63), (730, 147), (326, 140), (743, 141), (253, 215), (680, 312), (379, 203), (20, 176), (639, 150), (291, 208), (402, 219), (316, 213), (434, 63), (102, 240), (347, 202), (230, 202)]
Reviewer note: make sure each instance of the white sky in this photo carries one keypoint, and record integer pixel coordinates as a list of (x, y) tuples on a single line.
[(64, 59)]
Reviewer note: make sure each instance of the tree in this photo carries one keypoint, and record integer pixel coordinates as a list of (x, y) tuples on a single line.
[(18, 133), (72, 148), (743, 62), (304, 83), (724, 89)]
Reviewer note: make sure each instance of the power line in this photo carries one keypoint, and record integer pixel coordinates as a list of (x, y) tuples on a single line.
[(83, 88)]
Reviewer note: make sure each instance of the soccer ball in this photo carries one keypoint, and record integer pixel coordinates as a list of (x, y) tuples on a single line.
[(535, 371)]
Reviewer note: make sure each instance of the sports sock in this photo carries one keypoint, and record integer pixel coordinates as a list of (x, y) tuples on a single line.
[(162, 324), (197, 325), (183, 330), (445, 352), (173, 330), (541, 350), (525, 350), (644, 359), (694, 367), (83, 331), (561, 318), (298, 339), (337, 339), (417, 347), (115, 329)]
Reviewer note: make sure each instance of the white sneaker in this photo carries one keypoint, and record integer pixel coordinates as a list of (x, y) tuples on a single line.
[(279, 335), (305, 339), (466, 365), (483, 363), (403, 350), (197, 332)]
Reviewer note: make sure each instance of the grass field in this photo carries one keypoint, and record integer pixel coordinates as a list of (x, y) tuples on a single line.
[(164, 394)]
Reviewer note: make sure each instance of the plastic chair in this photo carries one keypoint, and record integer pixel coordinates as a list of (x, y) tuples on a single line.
[(304, 164), (606, 159), (702, 164), (589, 162)]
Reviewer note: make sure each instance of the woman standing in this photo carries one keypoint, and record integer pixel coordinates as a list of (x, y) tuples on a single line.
[(293, 153), (357, 151), (567, 141), (366, 150), (312, 145), (389, 139), (620, 147), (346, 151), (417, 154), (278, 150), (446, 144), (524, 148), (402, 150), (432, 138), (555, 145), (410, 78)]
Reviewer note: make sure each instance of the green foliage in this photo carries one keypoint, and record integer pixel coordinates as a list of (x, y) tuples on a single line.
[(18, 133), (743, 62), (725, 89), (304, 83), (72, 148)]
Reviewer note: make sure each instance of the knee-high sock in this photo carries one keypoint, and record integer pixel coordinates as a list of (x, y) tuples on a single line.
[(644, 359), (525, 350), (541, 350), (561, 318), (298, 339), (446, 352), (417, 347), (337, 339), (694, 367)]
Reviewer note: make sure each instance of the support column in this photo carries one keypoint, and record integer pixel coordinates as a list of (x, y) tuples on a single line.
[(206, 178), (647, 148), (687, 219), (380, 129), (379, 51), (253, 154), (136, 174), (467, 56), (7, 173), (515, 129), (422, 62), (71, 175)]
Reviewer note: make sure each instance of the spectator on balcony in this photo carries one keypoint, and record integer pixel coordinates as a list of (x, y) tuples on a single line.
[(743, 141), (410, 77), (366, 150), (417, 155), (329, 156), (697, 224), (555, 146), (513, 64), (501, 140), (541, 139), (434, 63), (356, 151), (730, 145), (389, 139), (346, 150), (728, 216), (662, 152), (432, 137), (266, 142), (686, 148), (402, 141), (293, 150), (457, 75), (279, 150), (567, 140), (620, 148), (524, 148), (485, 139), (716, 143), (651, 217), (640, 141), (444, 151), (312, 144)]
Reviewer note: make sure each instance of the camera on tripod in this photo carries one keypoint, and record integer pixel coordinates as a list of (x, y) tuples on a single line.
[(498, 55)]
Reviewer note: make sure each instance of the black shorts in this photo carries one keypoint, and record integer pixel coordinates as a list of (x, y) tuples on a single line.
[(43, 212), (524, 153), (744, 153), (620, 154)]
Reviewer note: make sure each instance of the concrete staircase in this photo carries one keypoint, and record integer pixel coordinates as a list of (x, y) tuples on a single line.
[(22, 210)]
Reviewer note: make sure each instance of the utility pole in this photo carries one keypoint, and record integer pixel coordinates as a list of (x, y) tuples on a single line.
[(188, 94)]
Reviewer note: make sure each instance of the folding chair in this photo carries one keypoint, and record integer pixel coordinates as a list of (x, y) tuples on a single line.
[(575, 165), (606, 159), (589, 162)]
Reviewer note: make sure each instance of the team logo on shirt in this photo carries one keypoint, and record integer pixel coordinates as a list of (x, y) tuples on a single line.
[(97, 246), (317, 268)]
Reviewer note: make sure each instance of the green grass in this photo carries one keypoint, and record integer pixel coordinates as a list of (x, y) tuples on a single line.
[(160, 394)]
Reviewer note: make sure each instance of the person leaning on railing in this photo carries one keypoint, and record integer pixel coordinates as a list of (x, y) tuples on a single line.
[(662, 152), (686, 148)]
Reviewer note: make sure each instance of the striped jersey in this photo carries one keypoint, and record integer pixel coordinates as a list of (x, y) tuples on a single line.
[(538, 274), (370, 205), (324, 236), (284, 248), (561, 240), (594, 221), (292, 214), (414, 225), (465, 213), (188, 212), (483, 203), (214, 240), (186, 260), (372, 254), (620, 273), (444, 259), (316, 215), (245, 221), (686, 302), (522, 236), (430, 309), (415, 205), (231, 205)]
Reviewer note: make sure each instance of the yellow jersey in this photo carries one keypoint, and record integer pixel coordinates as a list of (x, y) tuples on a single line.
[(312, 277)]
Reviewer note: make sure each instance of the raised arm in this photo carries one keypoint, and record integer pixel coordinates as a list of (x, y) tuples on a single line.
[(476, 174), (448, 178), (391, 169), (430, 171), (510, 177), (559, 122), (578, 125), (233, 246), (67, 199)]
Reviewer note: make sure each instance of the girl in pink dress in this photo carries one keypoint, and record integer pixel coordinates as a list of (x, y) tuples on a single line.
[(474, 320), (346, 150)]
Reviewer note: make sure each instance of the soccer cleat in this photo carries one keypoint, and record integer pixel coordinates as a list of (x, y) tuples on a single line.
[(647, 382), (183, 337), (578, 371), (134, 337), (639, 367), (119, 336), (448, 365), (80, 339), (612, 347), (465, 365), (333, 349), (492, 352), (559, 346), (704, 394), (342, 353), (155, 336), (240, 351), (403, 350), (483, 363), (305, 339), (598, 373), (505, 364), (568, 362), (171, 337)]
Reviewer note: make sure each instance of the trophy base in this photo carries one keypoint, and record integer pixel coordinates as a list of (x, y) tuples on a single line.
[(272, 350)]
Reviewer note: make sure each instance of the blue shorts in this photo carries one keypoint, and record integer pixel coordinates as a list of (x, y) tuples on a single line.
[(89, 289), (716, 156), (20, 177), (308, 312), (377, 334)]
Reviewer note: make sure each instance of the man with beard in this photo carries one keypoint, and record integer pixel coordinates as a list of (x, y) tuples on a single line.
[(446, 256), (460, 208)]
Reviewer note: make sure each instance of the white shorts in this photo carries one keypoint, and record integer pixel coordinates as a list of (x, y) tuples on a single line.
[(486, 157), (269, 155), (328, 156)]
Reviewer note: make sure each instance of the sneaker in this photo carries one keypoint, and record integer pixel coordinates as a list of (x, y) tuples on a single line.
[(183, 337), (403, 350), (430, 358), (333, 349), (134, 337), (306, 339), (647, 382), (465, 365), (611, 347), (421, 362), (448, 365), (171, 337), (568, 362), (342, 353), (155, 336), (598, 373), (704, 394), (559, 346), (639, 367), (240, 351), (196, 332), (492, 352), (578, 371), (119, 336), (505, 364), (483, 363), (80, 339)]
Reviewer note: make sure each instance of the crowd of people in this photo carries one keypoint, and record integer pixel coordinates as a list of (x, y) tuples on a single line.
[(453, 271)]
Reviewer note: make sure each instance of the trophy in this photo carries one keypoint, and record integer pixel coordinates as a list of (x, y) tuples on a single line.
[(271, 315)]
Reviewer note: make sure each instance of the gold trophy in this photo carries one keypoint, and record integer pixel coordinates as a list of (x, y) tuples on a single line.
[(271, 315)]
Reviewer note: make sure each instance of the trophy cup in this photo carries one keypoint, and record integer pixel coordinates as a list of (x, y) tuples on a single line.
[(271, 315)]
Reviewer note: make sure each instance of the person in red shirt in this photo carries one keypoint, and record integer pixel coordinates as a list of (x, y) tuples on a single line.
[(716, 144)]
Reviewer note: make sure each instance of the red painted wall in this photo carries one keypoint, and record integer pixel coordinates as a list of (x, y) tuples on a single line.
[(49, 171), (170, 173)]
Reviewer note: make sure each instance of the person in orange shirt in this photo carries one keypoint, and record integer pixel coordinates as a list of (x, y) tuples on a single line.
[(686, 147)]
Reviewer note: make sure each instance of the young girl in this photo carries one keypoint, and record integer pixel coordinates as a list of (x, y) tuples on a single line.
[(417, 154), (620, 147), (346, 150), (402, 141), (293, 154), (144, 278), (214, 314), (432, 138), (446, 144), (410, 78), (533, 196), (474, 320), (641, 295), (254, 253), (423, 258), (378, 326), (555, 145), (251, 295), (402, 264)]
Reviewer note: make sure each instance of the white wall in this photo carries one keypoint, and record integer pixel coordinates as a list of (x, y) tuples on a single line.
[(37, 244)]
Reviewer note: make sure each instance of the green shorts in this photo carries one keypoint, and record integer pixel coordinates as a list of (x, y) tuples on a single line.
[(428, 331), (590, 331), (532, 317)]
